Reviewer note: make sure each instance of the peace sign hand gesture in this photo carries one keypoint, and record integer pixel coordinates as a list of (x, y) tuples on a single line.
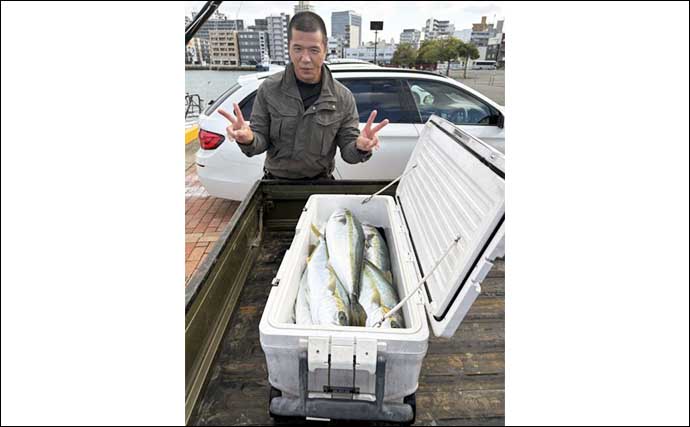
[(239, 129), (368, 140)]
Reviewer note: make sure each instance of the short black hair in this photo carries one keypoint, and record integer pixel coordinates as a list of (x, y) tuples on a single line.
[(308, 22)]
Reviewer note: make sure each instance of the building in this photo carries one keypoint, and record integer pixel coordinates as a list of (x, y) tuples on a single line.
[(384, 52), (304, 6), (219, 23), (277, 26), (224, 47), (483, 31), (198, 52), (259, 25), (335, 47), (347, 26), (411, 37), (482, 53), (253, 46), (464, 35), (434, 29), (496, 49), (499, 27), (480, 26), (480, 38)]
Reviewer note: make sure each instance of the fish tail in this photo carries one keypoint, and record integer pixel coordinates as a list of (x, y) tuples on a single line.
[(359, 315)]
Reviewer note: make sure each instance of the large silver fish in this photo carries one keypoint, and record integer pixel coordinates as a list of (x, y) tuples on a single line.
[(345, 239), (302, 312), (329, 301), (375, 248), (378, 296)]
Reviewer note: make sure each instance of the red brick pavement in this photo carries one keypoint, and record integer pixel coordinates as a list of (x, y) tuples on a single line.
[(205, 219)]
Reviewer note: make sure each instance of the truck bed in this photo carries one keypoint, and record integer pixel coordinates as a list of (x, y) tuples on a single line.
[(461, 383)]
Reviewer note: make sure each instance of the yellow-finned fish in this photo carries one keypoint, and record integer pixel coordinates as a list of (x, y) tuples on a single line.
[(378, 297), (376, 249), (345, 239), (329, 302)]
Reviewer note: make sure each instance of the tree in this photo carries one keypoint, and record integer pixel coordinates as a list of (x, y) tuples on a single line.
[(428, 52), (449, 50), (468, 51), (405, 55)]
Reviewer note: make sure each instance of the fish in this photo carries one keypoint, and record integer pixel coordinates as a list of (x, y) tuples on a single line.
[(345, 239), (376, 249), (378, 296), (302, 311), (358, 313), (329, 301)]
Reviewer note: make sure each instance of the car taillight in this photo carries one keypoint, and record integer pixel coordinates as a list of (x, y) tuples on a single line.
[(209, 140)]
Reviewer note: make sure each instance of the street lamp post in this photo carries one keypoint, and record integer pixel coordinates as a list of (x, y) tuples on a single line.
[(376, 26)]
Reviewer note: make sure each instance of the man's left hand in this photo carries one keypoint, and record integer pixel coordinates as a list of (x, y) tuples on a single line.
[(368, 140)]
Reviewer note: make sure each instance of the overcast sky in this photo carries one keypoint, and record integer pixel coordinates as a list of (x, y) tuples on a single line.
[(396, 16)]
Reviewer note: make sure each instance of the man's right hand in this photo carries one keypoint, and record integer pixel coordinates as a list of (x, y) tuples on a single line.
[(239, 129)]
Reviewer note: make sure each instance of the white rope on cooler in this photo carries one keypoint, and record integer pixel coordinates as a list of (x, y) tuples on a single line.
[(387, 186)]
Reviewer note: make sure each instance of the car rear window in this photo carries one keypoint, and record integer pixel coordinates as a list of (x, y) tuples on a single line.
[(247, 105), (386, 96)]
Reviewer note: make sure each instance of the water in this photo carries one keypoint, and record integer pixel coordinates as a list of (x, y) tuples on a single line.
[(209, 85)]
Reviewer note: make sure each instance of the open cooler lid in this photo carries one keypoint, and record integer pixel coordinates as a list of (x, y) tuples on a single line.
[(457, 189)]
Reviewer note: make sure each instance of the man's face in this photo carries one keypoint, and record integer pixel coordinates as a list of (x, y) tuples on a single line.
[(307, 53)]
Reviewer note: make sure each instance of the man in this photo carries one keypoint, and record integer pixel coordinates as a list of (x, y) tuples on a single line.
[(301, 114)]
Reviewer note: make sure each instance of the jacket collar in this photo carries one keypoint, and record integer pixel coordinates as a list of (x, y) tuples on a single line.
[(288, 84)]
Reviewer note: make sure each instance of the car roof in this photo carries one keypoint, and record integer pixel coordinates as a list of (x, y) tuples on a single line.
[(363, 67), (348, 61)]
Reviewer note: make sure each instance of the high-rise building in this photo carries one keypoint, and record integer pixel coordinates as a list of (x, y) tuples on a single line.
[(435, 29), (259, 25), (278, 37), (304, 6), (253, 46), (499, 27), (411, 36), (347, 26), (224, 47), (496, 49)]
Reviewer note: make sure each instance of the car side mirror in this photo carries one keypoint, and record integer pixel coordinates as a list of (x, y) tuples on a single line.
[(501, 121), (428, 100)]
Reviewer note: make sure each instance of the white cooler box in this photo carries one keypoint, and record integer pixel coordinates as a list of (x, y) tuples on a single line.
[(453, 186)]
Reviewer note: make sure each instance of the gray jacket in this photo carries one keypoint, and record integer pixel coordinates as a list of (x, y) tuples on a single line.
[(298, 143)]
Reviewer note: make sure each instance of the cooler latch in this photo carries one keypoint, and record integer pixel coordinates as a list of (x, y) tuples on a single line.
[(341, 368)]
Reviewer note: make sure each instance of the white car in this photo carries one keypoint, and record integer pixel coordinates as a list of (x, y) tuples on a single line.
[(407, 98)]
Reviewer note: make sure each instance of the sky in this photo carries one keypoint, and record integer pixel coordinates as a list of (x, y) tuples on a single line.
[(396, 16)]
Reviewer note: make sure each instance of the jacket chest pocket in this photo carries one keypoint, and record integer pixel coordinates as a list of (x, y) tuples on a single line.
[(281, 130), (326, 125), (275, 128), (283, 119)]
